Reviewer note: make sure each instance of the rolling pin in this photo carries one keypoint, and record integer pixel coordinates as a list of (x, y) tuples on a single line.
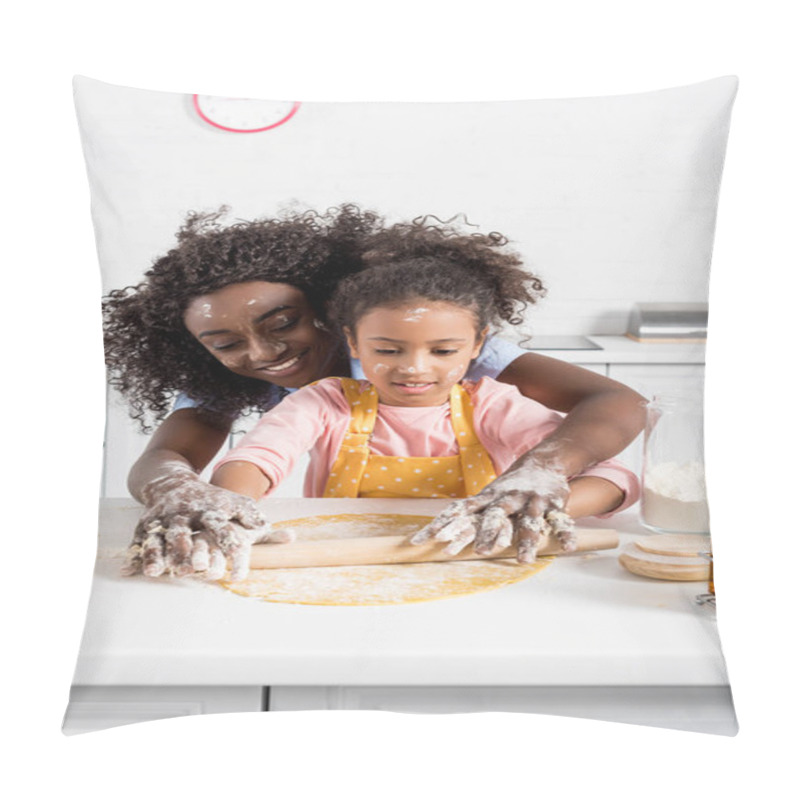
[(395, 550)]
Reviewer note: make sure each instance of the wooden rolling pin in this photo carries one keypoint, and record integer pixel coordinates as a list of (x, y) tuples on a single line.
[(394, 550)]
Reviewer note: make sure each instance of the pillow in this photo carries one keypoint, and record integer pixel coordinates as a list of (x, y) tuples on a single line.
[(611, 201)]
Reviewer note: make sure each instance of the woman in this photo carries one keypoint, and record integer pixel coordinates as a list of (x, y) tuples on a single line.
[(234, 317)]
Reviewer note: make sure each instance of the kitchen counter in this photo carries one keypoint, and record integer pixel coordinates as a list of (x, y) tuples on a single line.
[(624, 350), (583, 620)]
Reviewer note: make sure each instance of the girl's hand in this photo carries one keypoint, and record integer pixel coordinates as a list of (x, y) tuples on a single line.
[(190, 526), (522, 505)]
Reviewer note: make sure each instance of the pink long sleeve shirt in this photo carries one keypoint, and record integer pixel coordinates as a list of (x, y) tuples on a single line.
[(314, 420)]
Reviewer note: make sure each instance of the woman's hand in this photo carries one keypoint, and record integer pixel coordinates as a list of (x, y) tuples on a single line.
[(522, 505), (190, 526), (529, 500)]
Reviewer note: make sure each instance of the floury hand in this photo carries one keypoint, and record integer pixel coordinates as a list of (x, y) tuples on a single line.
[(523, 505), (190, 526)]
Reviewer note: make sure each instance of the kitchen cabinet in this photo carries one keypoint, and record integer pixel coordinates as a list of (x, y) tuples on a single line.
[(93, 708), (657, 706), (649, 368)]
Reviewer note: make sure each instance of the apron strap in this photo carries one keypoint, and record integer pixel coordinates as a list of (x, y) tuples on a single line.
[(351, 460), (477, 468)]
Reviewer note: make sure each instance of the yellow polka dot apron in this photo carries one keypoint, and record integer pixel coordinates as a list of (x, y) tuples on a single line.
[(359, 473)]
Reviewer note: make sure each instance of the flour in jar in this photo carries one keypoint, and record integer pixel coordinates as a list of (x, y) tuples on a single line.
[(674, 497)]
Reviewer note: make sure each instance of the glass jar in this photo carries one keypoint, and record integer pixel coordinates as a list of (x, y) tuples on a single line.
[(673, 473)]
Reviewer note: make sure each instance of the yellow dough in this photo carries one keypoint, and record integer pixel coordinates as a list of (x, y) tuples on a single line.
[(387, 584)]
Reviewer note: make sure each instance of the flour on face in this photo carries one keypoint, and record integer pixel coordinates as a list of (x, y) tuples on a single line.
[(414, 314)]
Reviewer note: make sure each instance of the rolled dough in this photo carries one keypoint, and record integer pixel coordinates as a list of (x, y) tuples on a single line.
[(373, 585)]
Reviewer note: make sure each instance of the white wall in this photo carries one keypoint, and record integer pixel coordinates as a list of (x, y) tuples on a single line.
[(610, 200)]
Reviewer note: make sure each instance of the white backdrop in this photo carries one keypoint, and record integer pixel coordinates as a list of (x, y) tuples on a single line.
[(610, 201), (54, 387)]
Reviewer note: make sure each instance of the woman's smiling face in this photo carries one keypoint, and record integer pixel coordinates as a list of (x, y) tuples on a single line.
[(413, 354), (262, 330)]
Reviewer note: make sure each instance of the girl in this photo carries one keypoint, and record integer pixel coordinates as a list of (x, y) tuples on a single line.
[(232, 318), (413, 428)]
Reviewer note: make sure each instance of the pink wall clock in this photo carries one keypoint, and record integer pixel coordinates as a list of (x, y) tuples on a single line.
[(241, 115)]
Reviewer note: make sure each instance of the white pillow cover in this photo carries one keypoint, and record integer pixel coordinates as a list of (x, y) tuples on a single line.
[(611, 200)]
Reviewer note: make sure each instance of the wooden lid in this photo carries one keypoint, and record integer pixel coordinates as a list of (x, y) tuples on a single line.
[(675, 544), (664, 567)]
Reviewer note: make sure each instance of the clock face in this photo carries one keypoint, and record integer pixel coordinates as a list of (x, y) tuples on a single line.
[(240, 115)]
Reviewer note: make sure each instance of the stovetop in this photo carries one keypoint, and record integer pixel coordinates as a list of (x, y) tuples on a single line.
[(564, 342)]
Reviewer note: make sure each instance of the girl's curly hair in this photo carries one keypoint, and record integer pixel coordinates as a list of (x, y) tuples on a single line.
[(438, 262), (151, 356)]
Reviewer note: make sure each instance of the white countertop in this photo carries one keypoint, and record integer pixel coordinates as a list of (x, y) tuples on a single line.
[(583, 620), (624, 350)]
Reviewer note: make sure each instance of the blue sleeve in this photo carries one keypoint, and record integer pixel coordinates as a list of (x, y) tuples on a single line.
[(494, 357), (356, 371), (184, 401)]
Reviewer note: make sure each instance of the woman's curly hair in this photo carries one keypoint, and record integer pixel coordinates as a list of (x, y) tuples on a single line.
[(437, 261), (151, 356)]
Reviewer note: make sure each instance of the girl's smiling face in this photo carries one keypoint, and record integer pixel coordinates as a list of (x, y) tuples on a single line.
[(414, 353), (262, 330)]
